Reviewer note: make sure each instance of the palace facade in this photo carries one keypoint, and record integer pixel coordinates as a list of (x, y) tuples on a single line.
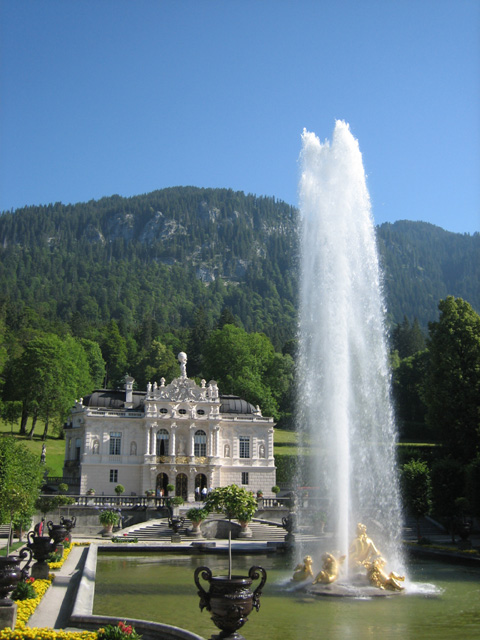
[(182, 433)]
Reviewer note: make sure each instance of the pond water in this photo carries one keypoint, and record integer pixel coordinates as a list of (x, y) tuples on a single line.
[(442, 601)]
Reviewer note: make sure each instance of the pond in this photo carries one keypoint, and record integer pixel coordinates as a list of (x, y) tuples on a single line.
[(442, 600)]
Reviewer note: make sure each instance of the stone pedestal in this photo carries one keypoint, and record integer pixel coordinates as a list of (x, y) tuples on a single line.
[(8, 614), (176, 538), (40, 571), (245, 532)]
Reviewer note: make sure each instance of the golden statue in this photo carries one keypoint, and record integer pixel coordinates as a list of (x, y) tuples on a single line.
[(378, 577), (303, 570), (362, 548), (330, 568)]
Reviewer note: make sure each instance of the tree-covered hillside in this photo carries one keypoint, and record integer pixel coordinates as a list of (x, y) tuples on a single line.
[(166, 254), (424, 264)]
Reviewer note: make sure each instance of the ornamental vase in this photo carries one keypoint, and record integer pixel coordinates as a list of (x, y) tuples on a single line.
[(57, 532), (11, 574), (230, 600)]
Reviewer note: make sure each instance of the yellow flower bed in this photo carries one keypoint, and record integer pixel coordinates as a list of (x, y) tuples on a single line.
[(54, 566), (25, 609), (36, 633)]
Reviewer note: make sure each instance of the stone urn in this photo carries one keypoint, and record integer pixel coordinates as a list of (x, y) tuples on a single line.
[(69, 524), (176, 523), (11, 573), (57, 532), (290, 525), (245, 531), (230, 600), (41, 548)]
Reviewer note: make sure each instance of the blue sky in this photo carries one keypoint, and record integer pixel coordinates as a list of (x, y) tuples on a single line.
[(118, 96)]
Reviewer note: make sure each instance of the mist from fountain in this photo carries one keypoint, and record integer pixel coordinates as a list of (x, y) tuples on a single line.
[(343, 375)]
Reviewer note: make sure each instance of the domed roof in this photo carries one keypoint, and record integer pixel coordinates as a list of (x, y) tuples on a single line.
[(235, 404), (110, 399)]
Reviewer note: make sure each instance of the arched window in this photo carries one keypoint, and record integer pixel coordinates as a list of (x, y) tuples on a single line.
[(162, 442), (200, 444)]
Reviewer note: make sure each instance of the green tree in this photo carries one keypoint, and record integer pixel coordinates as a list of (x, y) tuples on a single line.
[(197, 339), (235, 502), (21, 476), (448, 484), (114, 351), (240, 361), (52, 373), (96, 363), (416, 490), (473, 486), (158, 362), (452, 391), (408, 339), (408, 384), (11, 412)]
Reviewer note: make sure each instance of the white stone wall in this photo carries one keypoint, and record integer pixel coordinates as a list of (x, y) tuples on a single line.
[(138, 464)]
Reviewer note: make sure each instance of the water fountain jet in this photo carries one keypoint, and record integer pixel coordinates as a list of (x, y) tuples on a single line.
[(343, 374)]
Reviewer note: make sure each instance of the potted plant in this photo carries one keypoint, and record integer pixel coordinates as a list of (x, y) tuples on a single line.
[(119, 489), (196, 517), (91, 492), (235, 502), (149, 493), (170, 488), (108, 518), (229, 598), (275, 490)]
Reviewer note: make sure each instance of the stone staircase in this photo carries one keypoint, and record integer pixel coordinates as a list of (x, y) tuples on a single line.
[(158, 530)]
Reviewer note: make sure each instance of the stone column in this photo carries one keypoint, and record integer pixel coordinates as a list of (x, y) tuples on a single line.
[(173, 447), (269, 453), (191, 444)]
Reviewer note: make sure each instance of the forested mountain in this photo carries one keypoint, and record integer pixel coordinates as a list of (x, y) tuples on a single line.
[(424, 264), (166, 254)]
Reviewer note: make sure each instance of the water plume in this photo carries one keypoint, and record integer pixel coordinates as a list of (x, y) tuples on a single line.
[(343, 374)]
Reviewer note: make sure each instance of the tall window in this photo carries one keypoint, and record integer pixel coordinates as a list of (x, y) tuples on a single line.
[(244, 477), (244, 446), (200, 444), (162, 442), (113, 475), (115, 443)]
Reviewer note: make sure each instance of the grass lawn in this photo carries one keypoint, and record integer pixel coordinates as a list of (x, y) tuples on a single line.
[(55, 446), (287, 443)]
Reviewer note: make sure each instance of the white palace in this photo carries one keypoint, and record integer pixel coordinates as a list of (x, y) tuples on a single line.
[(181, 433)]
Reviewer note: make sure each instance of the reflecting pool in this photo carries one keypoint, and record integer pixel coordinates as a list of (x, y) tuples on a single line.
[(442, 600)]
